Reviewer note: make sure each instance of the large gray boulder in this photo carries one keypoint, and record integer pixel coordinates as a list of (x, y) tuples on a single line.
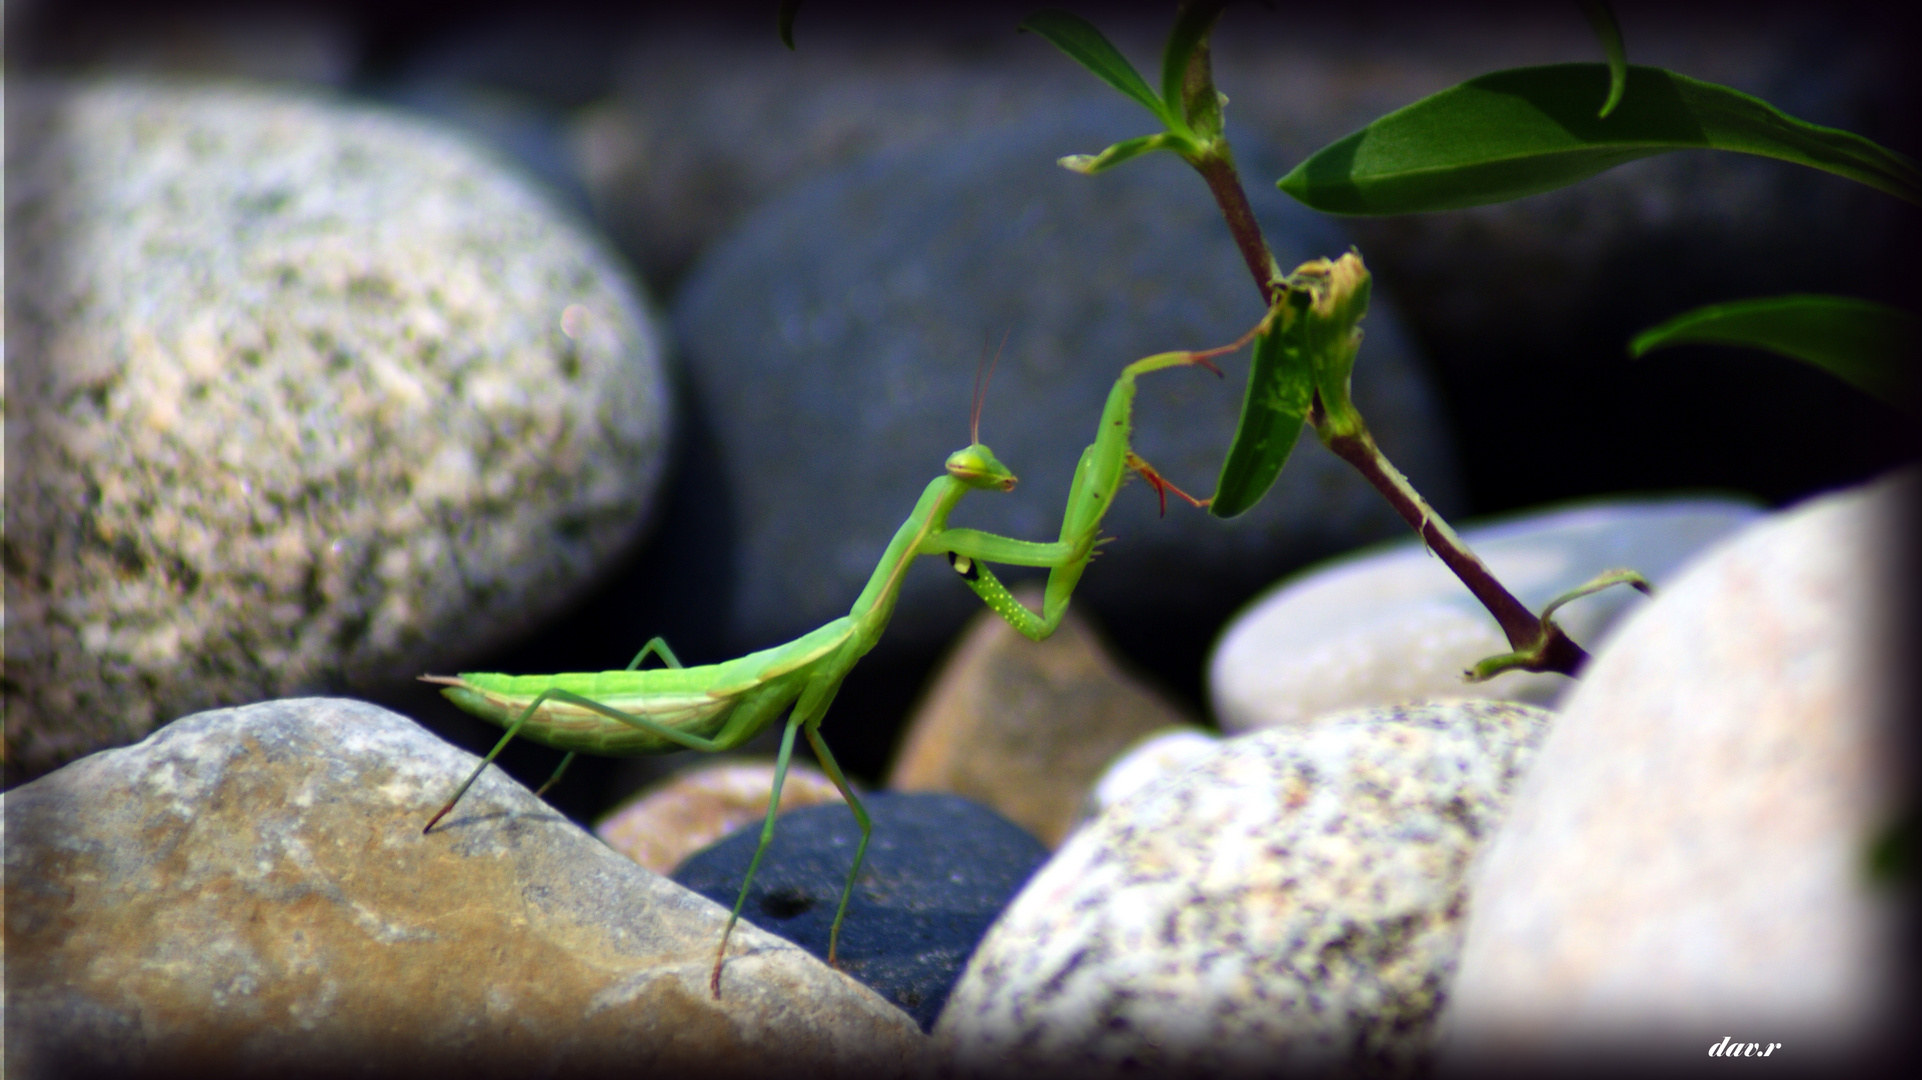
[(301, 395)]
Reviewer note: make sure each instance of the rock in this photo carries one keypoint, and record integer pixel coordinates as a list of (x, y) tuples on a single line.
[(830, 340), (708, 125), (697, 806), (248, 891), (1394, 624), (1163, 753), (938, 871), (1687, 859), (1026, 726), (306, 395), (1288, 904)]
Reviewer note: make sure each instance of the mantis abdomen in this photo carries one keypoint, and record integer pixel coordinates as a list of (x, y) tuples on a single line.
[(724, 703)]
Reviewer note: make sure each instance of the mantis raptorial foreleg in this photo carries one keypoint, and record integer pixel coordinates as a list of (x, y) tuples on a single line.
[(1097, 476), (716, 707)]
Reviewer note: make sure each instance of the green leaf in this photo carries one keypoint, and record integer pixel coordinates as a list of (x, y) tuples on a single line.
[(1089, 164), (1868, 345), (1088, 47), (1602, 18), (1528, 130), (1192, 26), (784, 21), (1281, 386), (1308, 350)]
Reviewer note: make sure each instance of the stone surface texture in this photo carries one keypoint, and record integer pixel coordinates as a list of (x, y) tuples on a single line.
[(938, 870), (693, 808), (1024, 726), (301, 395), (1394, 624), (1163, 752), (1688, 858), (1289, 903), (248, 892)]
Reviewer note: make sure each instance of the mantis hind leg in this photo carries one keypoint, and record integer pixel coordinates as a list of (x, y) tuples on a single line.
[(657, 646), (513, 730), (691, 742), (767, 837), (860, 817)]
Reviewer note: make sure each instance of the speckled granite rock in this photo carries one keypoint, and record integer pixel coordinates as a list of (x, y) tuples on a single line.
[(248, 892), (693, 808), (1160, 754), (302, 395), (1394, 624), (1688, 858), (1024, 726), (1291, 902)]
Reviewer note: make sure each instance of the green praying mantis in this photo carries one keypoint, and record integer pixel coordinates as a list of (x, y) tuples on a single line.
[(716, 707)]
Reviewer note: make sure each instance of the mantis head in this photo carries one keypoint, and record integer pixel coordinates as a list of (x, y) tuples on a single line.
[(976, 467)]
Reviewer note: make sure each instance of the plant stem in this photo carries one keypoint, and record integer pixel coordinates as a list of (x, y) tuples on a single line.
[(1554, 651), (1219, 171), (1539, 644)]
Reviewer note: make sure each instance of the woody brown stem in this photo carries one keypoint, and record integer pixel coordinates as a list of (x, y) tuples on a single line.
[(1553, 650)]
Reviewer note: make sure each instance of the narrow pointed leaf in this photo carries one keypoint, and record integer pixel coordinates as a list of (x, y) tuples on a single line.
[(1602, 18), (1089, 164), (1091, 49), (1191, 29), (1528, 130), (1868, 345), (1281, 386), (784, 21)]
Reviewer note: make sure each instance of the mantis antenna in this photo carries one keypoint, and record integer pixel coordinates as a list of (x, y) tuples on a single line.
[(981, 388)]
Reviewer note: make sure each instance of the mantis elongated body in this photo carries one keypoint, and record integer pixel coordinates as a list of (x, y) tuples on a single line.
[(716, 707)]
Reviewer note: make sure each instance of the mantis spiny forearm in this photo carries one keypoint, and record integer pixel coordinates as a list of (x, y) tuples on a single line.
[(716, 707)]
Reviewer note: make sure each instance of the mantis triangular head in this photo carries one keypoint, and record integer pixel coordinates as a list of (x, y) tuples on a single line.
[(976, 466)]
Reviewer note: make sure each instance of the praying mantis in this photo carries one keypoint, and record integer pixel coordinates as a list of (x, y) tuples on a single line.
[(716, 707)]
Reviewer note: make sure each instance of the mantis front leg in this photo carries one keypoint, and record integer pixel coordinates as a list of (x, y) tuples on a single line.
[(1097, 477)]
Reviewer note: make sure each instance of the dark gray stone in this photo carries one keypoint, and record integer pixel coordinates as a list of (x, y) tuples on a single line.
[(938, 872), (831, 340)]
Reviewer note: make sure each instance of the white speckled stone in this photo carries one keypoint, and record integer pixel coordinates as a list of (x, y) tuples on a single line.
[(1394, 624), (1288, 902), (1687, 859), (1160, 754), (302, 395)]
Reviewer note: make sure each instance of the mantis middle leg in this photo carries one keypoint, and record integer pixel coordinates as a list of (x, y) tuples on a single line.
[(656, 645)]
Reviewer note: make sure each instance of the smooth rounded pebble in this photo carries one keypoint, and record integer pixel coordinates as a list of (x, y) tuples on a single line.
[(1290, 902), (1394, 624), (938, 869), (1026, 727), (691, 809), (308, 396), (1690, 857), (248, 892)]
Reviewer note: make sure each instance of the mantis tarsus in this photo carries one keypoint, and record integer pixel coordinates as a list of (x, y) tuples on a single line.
[(716, 707)]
